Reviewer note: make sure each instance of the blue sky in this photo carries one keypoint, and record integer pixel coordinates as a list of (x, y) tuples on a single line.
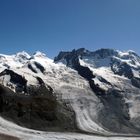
[(54, 25)]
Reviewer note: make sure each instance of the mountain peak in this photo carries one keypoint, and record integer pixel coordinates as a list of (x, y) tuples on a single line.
[(127, 53), (80, 50), (23, 54), (39, 54), (102, 53), (105, 52)]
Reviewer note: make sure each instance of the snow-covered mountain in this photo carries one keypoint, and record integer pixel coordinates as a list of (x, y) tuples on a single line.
[(91, 91), (114, 77)]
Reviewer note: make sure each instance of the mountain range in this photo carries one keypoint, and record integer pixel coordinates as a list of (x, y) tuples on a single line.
[(80, 90)]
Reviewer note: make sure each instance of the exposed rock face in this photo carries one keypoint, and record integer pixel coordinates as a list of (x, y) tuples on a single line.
[(39, 109), (115, 114), (16, 79), (122, 69), (135, 82), (39, 66)]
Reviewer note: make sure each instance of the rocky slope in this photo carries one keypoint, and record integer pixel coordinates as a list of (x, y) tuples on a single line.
[(95, 92), (114, 77)]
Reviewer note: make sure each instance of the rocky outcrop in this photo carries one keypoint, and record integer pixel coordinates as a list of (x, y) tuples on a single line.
[(38, 110), (33, 106), (18, 80)]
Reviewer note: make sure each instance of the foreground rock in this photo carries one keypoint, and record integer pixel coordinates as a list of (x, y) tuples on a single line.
[(39, 110)]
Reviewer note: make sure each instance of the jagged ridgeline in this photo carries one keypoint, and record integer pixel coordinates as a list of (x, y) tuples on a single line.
[(91, 91)]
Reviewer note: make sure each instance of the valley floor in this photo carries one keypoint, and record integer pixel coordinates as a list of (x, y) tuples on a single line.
[(11, 131), (61, 136)]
